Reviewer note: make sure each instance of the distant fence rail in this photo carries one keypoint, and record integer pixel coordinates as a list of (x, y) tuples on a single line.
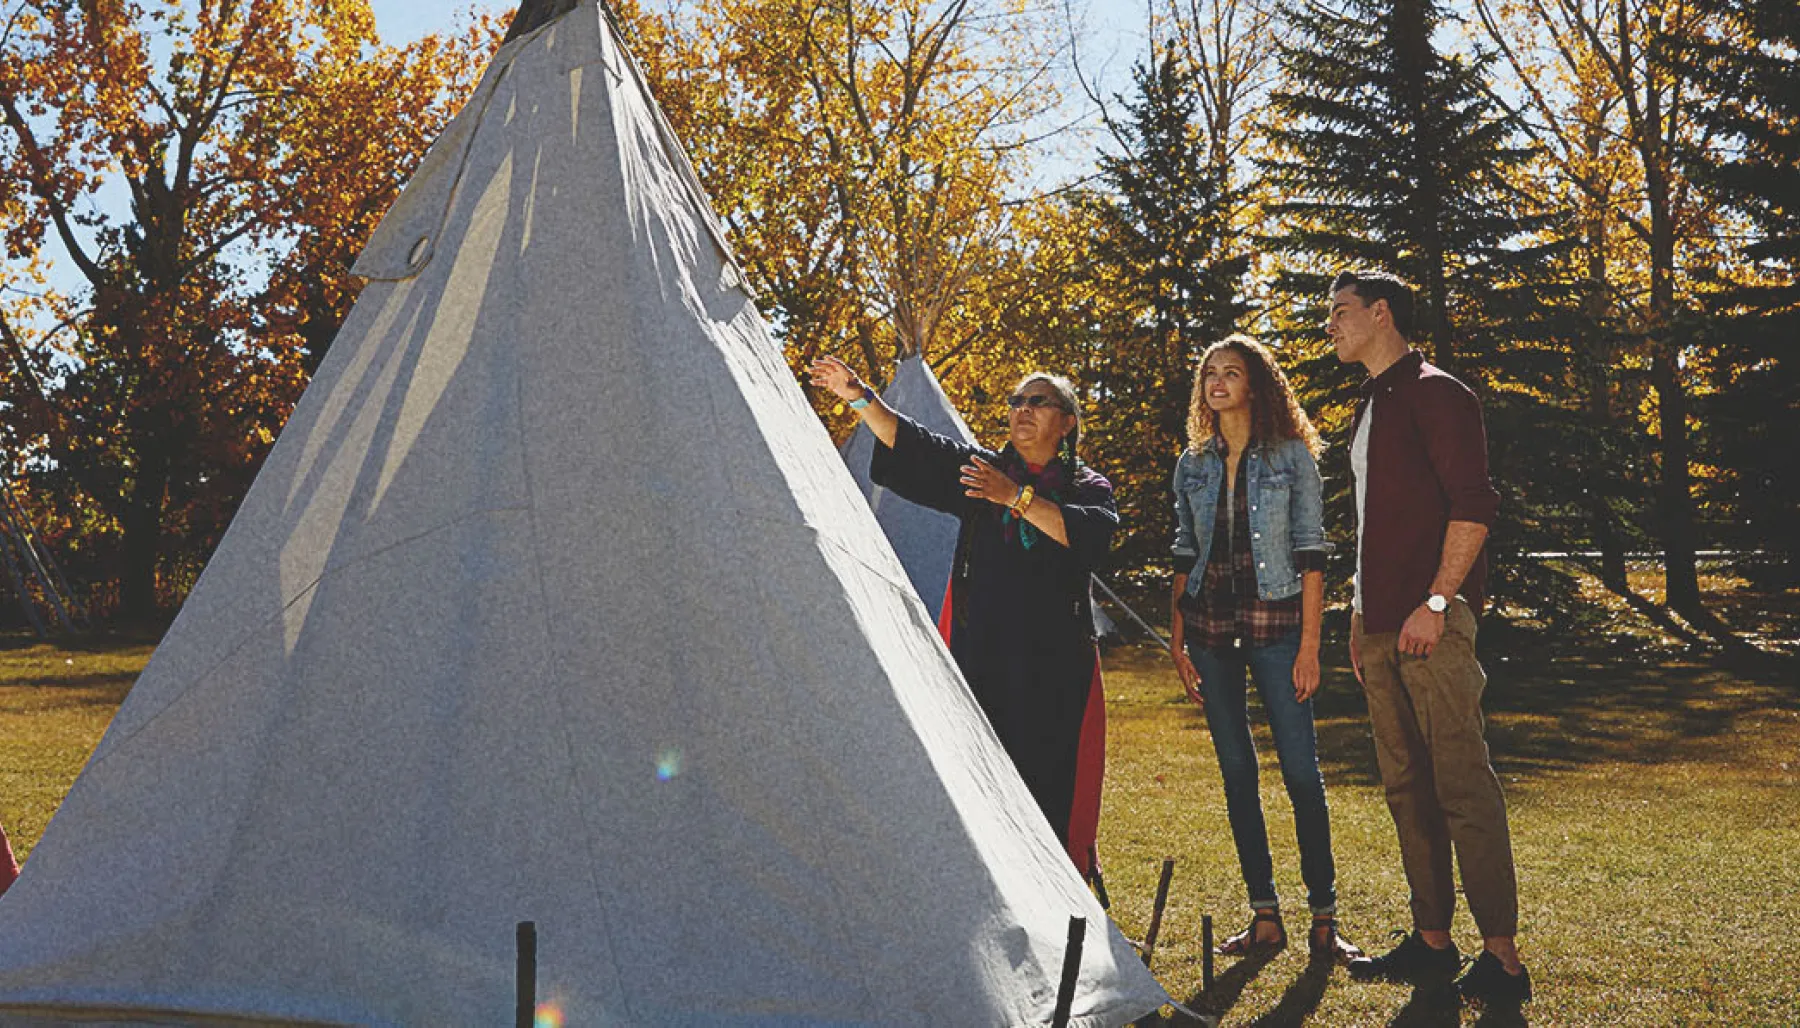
[(1650, 554)]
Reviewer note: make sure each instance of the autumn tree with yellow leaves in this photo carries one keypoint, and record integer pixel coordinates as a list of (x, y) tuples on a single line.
[(255, 143), (868, 157), (1593, 87)]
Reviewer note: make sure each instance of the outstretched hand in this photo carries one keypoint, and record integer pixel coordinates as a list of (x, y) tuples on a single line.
[(830, 373)]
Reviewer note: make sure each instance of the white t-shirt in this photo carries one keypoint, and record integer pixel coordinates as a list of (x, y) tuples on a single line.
[(1359, 469)]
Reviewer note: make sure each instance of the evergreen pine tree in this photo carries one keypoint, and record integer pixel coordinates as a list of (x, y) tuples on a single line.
[(1165, 249), (1751, 82), (1391, 154)]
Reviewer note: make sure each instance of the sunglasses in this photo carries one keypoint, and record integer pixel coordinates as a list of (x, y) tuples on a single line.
[(1018, 400)]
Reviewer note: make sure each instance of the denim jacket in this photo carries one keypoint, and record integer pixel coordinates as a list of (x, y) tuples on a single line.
[(1287, 511)]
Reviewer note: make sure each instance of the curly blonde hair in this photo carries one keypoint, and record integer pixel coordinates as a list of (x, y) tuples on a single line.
[(1275, 414)]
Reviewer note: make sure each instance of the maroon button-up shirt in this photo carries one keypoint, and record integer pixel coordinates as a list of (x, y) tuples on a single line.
[(1427, 467)]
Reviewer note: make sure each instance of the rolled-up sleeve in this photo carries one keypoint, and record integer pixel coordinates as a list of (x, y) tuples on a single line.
[(1306, 510), (924, 467), (1090, 518), (1456, 444), (1185, 549)]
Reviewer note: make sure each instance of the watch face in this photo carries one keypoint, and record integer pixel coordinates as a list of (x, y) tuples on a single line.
[(1437, 604)]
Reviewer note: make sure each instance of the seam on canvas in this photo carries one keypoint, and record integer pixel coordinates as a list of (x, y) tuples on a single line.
[(298, 595), (555, 660)]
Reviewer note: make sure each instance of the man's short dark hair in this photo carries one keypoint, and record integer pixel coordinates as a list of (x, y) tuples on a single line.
[(1370, 286)]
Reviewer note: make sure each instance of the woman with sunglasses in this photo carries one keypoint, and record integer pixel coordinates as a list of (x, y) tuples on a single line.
[(1249, 591), (1036, 521)]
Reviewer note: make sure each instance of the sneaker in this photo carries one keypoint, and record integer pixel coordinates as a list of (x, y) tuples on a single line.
[(1411, 961), (1488, 981)]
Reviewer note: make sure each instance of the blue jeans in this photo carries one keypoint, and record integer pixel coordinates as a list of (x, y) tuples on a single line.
[(1228, 717)]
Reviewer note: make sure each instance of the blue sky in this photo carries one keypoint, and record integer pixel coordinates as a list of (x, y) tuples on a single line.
[(1112, 34), (402, 21)]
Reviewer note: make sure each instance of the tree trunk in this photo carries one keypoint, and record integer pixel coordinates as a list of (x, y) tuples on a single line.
[(1681, 582), (143, 538), (1601, 520)]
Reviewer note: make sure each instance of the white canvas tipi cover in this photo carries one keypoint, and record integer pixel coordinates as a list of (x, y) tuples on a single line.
[(925, 539), (553, 603)]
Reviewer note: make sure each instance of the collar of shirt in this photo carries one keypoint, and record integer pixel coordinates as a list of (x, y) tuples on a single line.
[(1404, 368)]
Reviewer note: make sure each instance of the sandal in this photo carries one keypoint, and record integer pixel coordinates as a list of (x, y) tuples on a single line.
[(1324, 943), (1245, 943)]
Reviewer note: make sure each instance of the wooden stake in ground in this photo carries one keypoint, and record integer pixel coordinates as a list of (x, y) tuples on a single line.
[(1065, 993), (1156, 911), (1206, 948), (525, 1016)]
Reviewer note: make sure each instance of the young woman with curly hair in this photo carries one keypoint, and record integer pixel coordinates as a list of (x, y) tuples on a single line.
[(1248, 597)]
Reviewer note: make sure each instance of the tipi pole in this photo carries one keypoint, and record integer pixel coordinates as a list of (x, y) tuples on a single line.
[(59, 583), (534, 14), (525, 1013), (1156, 912), (1154, 634), (18, 583), (1071, 971), (19, 527)]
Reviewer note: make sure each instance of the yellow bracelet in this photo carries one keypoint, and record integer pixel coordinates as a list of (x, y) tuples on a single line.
[(1023, 502)]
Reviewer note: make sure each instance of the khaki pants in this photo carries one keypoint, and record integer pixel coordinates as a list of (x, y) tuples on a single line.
[(1425, 713)]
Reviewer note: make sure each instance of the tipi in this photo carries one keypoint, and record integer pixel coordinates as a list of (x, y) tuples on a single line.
[(553, 603), (924, 539)]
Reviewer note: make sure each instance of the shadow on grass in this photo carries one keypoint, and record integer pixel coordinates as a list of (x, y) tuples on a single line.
[(1556, 714), (1429, 1006), (1227, 988), (105, 641), (1501, 1017), (1300, 999), (103, 664), (98, 680)]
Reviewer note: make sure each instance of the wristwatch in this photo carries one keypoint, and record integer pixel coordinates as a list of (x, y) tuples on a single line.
[(1436, 603)]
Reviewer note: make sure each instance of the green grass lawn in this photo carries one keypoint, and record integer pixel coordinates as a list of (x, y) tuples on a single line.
[(1655, 815), (54, 704), (1655, 821)]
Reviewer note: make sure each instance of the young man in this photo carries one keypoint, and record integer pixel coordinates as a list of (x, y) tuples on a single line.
[(1424, 505)]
